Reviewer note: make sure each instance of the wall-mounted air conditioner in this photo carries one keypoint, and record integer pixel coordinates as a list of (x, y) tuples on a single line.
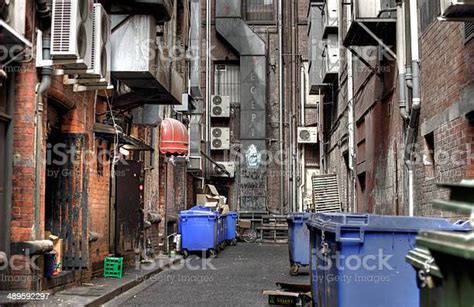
[(228, 166), (307, 135), (195, 164), (220, 106), (71, 32), (98, 74), (220, 138), (457, 10), (330, 68)]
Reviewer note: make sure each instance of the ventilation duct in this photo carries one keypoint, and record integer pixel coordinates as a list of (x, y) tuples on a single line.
[(252, 50)]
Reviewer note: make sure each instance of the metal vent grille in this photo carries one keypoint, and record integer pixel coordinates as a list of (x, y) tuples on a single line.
[(469, 30), (326, 193), (62, 26)]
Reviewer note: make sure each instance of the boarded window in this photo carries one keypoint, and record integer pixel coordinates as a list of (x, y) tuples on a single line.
[(227, 81), (259, 10)]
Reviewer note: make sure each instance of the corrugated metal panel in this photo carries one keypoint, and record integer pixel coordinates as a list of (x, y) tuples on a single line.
[(227, 81), (326, 196)]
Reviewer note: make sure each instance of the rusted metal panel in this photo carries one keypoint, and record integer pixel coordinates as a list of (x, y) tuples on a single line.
[(128, 207), (69, 201)]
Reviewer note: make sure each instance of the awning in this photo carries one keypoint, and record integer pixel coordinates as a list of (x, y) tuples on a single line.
[(128, 142), (14, 42), (174, 138)]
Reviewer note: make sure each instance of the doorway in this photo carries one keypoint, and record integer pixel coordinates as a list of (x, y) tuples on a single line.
[(129, 185)]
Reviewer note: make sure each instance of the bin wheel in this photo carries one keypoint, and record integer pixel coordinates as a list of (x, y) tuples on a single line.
[(185, 253), (249, 236), (212, 253), (294, 270), (233, 242)]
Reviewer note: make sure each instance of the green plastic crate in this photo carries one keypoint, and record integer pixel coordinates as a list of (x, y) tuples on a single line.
[(113, 267)]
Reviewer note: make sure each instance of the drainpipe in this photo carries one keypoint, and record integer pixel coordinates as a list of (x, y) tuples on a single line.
[(351, 122), (401, 53), (281, 100), (41, 89), (303, 150), (416, 104), (208, 84)]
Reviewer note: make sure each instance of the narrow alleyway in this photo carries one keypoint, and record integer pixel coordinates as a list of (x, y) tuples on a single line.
[(240, 275)]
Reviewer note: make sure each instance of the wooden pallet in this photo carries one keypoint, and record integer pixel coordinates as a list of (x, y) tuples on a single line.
[(273, 232)]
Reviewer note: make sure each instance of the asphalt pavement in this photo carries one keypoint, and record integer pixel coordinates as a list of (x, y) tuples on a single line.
[(236, 277)]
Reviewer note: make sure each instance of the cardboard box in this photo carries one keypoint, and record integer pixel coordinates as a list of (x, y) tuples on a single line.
[(245, 224), (58, 248)]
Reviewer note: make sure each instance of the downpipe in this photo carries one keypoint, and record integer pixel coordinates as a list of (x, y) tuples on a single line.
[(415, 107), (41, 89), (401, 59), (281, 104)]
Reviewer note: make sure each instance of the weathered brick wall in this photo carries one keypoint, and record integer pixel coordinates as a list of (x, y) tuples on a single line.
[(447, 73)]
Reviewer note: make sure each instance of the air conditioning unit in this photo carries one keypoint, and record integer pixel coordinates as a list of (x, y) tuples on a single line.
[(71, 32), (307, 135), (195, 164), (220, 138), (228, 166), (98, 74), (457, 10), (220, 106)]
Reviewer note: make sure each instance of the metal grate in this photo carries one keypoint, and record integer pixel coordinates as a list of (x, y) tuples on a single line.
[(259, 10), (62, 25), (468, 31), (227, 81), (326, 193)]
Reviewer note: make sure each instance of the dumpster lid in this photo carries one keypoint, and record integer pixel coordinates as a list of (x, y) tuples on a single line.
[(189, 213), (421, 259), (456, 244), (333, 222)]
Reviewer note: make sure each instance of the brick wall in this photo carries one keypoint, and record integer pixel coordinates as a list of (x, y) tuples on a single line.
[(447, 72)]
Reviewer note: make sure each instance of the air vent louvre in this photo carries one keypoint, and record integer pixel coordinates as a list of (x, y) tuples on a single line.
[(62, 25)]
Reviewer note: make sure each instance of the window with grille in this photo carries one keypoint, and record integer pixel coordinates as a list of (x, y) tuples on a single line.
[(259, 10), (469, 31), (227, 81)]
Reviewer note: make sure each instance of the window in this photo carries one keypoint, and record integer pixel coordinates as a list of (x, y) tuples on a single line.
[(429, 10), (259, 10), (227, 81), (429, 156), (468, 31)]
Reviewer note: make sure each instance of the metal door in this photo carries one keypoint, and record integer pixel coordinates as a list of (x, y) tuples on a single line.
[(128, 208)]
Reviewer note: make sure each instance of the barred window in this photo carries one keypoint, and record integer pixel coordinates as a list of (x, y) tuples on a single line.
[(259, 10), (227, 81)]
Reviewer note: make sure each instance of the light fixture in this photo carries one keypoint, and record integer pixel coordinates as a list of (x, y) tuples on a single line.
[(124, 152)]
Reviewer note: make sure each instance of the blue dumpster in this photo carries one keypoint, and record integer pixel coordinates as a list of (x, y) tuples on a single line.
[(358, 260), (230, 220), (298, 241), (199, 231), (221, 232)]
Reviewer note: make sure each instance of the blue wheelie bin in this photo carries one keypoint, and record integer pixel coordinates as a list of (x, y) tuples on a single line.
[(298, 241), (199, 231), (230, 220), (358, 260), (221, 232)]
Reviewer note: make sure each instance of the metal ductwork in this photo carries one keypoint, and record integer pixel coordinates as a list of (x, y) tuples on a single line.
[(161, 10), (195, 47), (253, 77)]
